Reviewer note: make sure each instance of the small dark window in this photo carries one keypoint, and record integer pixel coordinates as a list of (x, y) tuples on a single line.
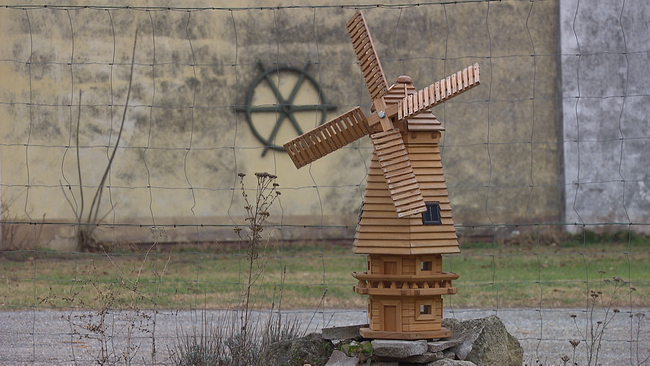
[(425, 266), (425, 309), (432, 215)]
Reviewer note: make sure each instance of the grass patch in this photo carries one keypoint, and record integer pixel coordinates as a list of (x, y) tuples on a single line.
[(548, 276), (491, 275), (177, 280)]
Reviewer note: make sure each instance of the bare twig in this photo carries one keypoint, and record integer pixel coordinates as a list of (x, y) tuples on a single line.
[(86, 229), (92, 216)]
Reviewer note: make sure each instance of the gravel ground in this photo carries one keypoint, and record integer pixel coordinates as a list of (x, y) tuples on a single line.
[(64, 337)]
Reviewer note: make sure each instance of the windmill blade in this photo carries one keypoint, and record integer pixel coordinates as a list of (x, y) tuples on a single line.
[(396, 167), (368, 60), (439, 92), (328, 137)]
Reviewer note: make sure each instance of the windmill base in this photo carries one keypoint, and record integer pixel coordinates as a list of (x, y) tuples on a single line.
[(377, 334)]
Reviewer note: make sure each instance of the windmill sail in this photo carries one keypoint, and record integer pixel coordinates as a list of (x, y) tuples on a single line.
[(398, 172), (389, 145), (371, 69), (439, 92), (327, 137)]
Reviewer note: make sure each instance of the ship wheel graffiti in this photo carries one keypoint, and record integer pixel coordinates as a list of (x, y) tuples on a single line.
[(283, 100)]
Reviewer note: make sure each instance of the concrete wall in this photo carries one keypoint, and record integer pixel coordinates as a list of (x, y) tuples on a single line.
[(185, 137), (606, 105)]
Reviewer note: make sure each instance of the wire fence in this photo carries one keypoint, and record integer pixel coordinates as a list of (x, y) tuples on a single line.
[(124, 129)]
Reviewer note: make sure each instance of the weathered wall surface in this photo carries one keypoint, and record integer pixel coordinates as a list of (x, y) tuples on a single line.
[(606, 105), (186, 136)]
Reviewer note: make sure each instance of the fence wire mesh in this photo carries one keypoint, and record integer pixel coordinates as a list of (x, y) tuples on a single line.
[(124, 129)]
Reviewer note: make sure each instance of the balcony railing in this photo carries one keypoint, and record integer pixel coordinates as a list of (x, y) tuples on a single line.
[(405, 285)]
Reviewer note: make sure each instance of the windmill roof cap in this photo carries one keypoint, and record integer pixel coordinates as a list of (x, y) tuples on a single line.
[(404, 79)]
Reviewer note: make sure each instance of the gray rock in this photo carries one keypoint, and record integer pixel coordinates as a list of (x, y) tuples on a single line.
[(449, 362), (384, 363), (398, 349), (309, 349), (343, 333), (466, 341), (425, 358), (449, 354), (339, 358), (486, 342), (442, 345)]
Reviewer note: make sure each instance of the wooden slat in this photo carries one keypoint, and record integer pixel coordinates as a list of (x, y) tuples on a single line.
[(390, 150), (425, 97), (335, 134), (382, 250), (384, 247), (395, 155), (382, 223), (384, 137), (465, 78), (426, 150), (412, 211), (384, 243), (438, 195), (397, 162), (377, 200), (397, 235), (368, 208), (399, 174), (432, 183), (396, 168), (405, 182), (413, 206), (408, 188), (421, 326), (367, 56), (450, 249), (406, 195), (401, 230), (432, 166), (379, 226), (327, 137), (445, 227), (433, 243), (376, 218), (442, 90), (454, 84), (389, 167)]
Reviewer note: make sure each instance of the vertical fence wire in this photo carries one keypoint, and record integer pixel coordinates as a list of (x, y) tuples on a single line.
[(175, 41)]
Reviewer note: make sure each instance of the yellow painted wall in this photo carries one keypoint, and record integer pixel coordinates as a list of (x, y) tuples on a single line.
[(185, 140)]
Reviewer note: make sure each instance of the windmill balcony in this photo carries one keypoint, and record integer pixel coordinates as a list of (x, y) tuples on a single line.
[(405, 285)]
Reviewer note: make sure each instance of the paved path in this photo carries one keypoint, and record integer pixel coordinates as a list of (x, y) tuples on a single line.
[(66, 338)]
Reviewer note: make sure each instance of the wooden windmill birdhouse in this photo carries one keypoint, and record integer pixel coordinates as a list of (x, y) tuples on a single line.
[(406, 224)]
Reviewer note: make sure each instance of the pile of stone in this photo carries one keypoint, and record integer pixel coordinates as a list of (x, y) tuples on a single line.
[(480, 342)]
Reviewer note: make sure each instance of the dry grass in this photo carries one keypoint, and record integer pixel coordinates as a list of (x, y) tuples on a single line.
[(491, 275), (190, 279)]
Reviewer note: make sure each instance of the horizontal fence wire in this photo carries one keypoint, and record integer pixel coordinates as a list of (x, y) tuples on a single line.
[(125, 127)]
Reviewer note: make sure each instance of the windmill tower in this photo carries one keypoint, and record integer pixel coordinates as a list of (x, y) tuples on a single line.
[(406, 224)]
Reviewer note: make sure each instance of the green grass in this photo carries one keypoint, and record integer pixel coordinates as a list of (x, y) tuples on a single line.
[(551, 276), (491, 275), (177, 280)]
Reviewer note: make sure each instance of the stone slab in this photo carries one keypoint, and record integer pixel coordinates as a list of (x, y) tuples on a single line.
[(343, 333), (339, 358), (398, 349)]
